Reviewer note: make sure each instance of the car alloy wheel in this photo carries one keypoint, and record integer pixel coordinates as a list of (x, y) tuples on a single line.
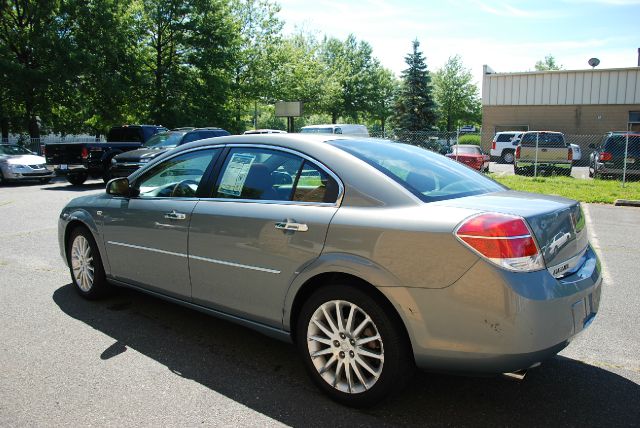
[(345, 346), (508, 157), (85, 264), (354, 347), (82, 263)]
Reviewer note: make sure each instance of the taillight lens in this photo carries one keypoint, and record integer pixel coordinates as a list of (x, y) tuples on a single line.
[(85, 153), (570, 155), (493, 145), (502, 239), (605, 156), (518, 152), (43, 149)]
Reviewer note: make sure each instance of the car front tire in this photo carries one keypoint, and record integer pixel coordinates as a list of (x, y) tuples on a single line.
[(85, 265), (353, 349)]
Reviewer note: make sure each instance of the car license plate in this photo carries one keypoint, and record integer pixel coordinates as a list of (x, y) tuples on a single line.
[(631, 160), (63, 166)]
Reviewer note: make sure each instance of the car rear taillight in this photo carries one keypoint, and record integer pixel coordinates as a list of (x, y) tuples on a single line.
[(43, 149), (502, 239), (85, 153), (570, 155), (605, 156), (518, 152), (493, 145)]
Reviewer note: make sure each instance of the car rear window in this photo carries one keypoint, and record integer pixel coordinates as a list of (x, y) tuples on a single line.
[(201, 135), (125, 135), (466, 150), (503, 138), (616, 145), (429, 176), (545, 139), (317, 131)]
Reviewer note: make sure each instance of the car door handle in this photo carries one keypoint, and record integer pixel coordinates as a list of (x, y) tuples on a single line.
[(173, 215), (296, 227)]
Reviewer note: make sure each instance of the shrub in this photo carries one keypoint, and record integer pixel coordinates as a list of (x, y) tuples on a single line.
[(469, 139)]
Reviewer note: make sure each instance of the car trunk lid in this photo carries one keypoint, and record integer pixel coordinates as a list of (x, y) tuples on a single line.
[(558, 224)]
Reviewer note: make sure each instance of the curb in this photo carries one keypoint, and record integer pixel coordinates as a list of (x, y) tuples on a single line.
[(627, 203)]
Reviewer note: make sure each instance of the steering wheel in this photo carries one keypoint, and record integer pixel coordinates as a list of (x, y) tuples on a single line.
[(184, 188)]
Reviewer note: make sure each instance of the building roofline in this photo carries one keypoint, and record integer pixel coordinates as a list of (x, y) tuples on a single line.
[(489, 72)]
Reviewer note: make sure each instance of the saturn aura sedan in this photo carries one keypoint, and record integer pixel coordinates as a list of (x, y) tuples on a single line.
[(371, 256)]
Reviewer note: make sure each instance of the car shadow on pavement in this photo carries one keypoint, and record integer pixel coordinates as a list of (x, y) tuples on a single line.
[(267, 375)]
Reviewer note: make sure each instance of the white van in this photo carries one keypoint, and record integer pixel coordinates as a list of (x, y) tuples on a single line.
[(343, 129)]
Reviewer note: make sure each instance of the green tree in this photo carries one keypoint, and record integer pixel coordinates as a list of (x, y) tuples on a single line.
[(105, 65), (549, 63), (415, 106), (382, 101), (34, 50), (255, 60), (455, 94)]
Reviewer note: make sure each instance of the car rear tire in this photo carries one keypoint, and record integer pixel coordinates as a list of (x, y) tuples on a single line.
[(508, 156), (85, 265), (353, 349), (2, 180), (517, 171), (77, 179)]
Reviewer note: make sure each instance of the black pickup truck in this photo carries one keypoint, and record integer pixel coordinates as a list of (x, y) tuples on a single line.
[(79, 161)]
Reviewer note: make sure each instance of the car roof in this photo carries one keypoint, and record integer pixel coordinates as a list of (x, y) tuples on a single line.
[(364, 185), (543, 132)]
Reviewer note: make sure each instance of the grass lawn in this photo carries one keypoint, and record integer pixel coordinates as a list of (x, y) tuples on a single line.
[(597, 191)]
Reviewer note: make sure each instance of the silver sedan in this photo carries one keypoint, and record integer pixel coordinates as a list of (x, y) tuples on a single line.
[(371, 256), (19, 164)]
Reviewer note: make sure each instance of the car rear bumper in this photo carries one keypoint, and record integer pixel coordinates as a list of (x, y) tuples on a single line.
[(494, 321), (603, 169), (64, 169), (544, 165)]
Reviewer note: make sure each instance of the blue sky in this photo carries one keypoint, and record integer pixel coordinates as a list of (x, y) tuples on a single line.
[(507, 35)]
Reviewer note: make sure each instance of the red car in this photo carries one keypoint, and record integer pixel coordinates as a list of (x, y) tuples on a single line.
[(470, 155)]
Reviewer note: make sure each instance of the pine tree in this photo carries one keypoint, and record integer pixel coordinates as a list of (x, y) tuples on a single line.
[(416, 108)]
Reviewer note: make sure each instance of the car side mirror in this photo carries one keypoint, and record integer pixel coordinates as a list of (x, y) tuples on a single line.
[(119, 187), (592, 146)]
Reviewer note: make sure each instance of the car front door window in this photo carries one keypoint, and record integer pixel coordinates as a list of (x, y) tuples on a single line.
[(176, 177)]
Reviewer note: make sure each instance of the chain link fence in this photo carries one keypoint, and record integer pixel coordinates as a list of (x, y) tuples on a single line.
[(613, 156)]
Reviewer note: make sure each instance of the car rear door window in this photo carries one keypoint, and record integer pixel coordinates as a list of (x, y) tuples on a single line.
[(273, 175), (315, 185)]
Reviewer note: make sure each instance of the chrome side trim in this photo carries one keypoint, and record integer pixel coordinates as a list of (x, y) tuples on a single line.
[(496, 237), (222, 262), (154, 250), (204, 259)]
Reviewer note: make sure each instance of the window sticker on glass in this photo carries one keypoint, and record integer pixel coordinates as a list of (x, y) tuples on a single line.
[(236, 174)]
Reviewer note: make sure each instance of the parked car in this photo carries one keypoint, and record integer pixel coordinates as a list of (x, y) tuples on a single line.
[(503, 146), (341, 129), (20, 164), (544, 151), (264, 131), (79, 161), (125, 163), (369, 255), (608, 158), (470, 155)]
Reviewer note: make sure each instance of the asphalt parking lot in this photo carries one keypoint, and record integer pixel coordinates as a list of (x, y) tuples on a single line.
[(135, 360)]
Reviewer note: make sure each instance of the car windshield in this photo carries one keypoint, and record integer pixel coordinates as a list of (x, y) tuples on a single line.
[(429, 176), (316, 130), (164, 140), (461, 150), (14, 150)]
